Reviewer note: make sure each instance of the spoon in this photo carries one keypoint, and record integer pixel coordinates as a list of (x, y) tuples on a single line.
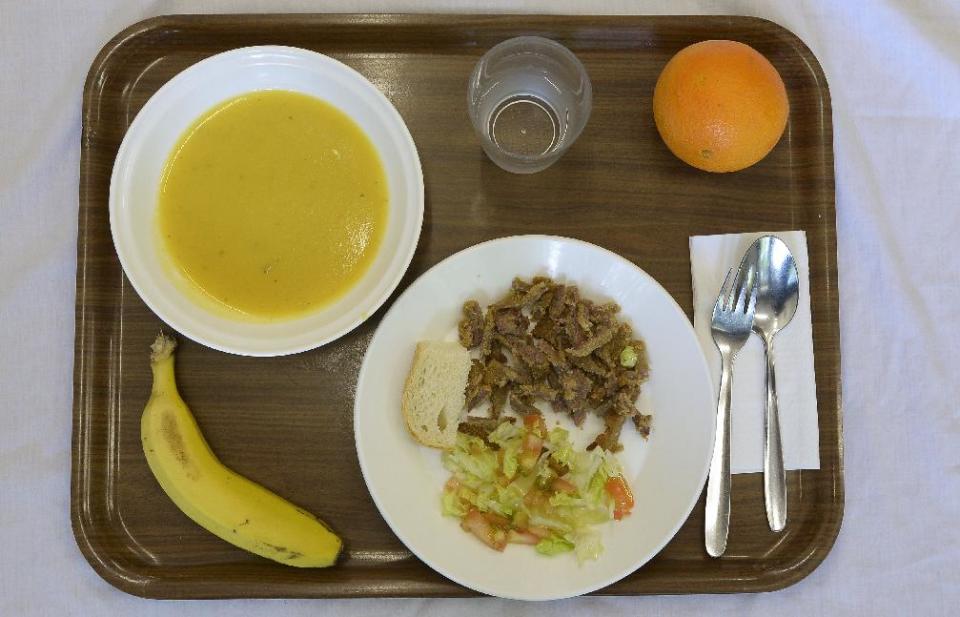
[(777, 295)]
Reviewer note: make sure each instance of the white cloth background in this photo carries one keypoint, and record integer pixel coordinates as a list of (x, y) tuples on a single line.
[(894, 74)]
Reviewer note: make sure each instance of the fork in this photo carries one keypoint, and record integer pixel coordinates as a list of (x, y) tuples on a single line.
[(731, 325)]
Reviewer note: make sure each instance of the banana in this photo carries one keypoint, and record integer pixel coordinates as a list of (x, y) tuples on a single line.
[(221, 501)]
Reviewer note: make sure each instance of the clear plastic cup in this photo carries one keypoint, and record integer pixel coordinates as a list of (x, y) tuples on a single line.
[(528, 98)]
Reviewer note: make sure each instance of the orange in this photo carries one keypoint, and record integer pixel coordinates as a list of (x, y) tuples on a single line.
[(720, 105)]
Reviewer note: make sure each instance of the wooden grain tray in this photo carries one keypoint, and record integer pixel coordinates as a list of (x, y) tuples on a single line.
[(287, 422)]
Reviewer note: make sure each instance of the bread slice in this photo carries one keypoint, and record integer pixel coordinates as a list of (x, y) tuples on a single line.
[(433, 398)]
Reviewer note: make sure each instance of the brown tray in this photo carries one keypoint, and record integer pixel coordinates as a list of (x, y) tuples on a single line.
[(287, 422)]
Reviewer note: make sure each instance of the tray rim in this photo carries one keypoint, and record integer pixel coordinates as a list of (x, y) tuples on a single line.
[(143, 584)]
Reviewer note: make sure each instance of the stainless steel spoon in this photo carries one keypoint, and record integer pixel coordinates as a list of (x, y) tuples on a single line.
[(777, 295)]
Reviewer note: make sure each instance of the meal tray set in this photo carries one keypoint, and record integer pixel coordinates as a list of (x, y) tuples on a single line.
[(287, 422)]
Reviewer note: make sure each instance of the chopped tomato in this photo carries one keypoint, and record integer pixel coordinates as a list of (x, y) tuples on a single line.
[(466, 494), (540, 532), (563, 486), (496, 519), (522, 537), (493, 536), (535, 498), (521, 519), (530, 452), (527, 460), (622, 497), (498, 538), (533, 422), (532, 443)]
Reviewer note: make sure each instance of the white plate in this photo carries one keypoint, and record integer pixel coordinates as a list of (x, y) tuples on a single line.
[(666, 473), (158, 127)]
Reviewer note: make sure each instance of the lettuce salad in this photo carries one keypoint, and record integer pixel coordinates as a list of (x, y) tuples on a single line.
[(527, 485)]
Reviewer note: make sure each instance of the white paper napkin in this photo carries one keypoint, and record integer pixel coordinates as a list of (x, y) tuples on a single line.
[(710, 258)]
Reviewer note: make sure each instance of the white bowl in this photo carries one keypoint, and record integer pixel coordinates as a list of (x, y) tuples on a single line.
[(158, 127), (666, 473)]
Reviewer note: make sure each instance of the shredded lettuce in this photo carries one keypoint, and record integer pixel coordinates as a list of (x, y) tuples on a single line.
[(453, 505), (510, 464), (564, 499), (554, 546), (549, 521), (488, 478), (506, 434), (472, 462), (510, 498), (559, 437), (587, 545)]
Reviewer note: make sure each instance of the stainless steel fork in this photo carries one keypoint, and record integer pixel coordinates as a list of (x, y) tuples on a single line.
[(732, 322)]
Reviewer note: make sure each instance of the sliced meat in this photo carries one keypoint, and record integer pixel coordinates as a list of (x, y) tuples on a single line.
[(539, 309), (579, 417), (499, 375), (479, 396), (534, 359), (538, 389), (519, 285), (543, 342), (535, 292), (498, 400), (583, 315), (576, 388), (597, 396), (521, 404), (476, 391), (603, 314), (643, 423), (523, 375), (590, 365), (587, 347), (630, 381), (495, 374), (558, 305), (511, 322), (572, 329), (486, 337), (609, 353), (554, 356), (609, 439), (470, 327), (497, 349), (482, 427), (544, 329), (623, 405)]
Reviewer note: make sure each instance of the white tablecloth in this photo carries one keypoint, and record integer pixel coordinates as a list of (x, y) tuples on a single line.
[(894, 73)]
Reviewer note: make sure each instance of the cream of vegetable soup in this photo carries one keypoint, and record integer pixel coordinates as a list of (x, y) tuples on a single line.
[(273, 204)]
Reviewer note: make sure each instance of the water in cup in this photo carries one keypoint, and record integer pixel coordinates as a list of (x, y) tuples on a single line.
[(529, 98)]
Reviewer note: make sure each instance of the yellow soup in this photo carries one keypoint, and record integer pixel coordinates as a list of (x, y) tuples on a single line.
[(273, 204)]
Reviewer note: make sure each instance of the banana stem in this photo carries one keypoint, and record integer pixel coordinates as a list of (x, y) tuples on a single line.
[(161, 362), (162, 347)]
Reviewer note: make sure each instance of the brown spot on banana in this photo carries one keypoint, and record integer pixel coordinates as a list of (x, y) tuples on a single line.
[(170, 432), (283, 553)]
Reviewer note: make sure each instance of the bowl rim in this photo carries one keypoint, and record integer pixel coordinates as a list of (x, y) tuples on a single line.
[(207, 336)]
